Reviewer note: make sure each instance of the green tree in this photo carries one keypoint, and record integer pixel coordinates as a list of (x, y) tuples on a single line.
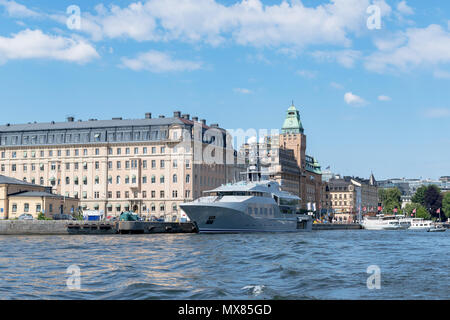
[(446, 204), (390, 199), (433, 200), (421, 211), (419, 196), (42, 216)]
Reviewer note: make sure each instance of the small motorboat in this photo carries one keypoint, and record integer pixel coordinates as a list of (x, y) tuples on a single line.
[(437, 228)]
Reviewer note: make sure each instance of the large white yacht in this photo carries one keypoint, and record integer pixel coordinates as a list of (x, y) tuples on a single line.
[(248, 206), (382, 222)]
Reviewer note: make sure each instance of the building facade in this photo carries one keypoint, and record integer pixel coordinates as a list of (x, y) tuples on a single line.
[(347, 197), (148, 165), (18, 197)]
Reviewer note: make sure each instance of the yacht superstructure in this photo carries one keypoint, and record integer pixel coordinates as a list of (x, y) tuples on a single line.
[(248, 206)]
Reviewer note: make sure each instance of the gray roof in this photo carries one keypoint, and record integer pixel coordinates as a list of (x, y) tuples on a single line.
[(37, 194), (89, 124), (9, 180)]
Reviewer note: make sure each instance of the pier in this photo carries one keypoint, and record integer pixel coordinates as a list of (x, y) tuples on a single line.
[(60, 227), (336, 226)]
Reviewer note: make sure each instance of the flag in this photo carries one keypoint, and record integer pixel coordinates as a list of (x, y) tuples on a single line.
[(380, 208), (438, 210), (364, 209), (395, 210), (414, 211)]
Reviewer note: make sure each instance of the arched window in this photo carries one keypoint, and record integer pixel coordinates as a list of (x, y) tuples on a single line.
[(109, 179), (153, 207), (161, 179), (133, 179), (174, 178), (85, 180), (174, 207), (118, 180), (153, 179), (162, 208), (67, 180), (127, 179), (188, 178), (75, 181), (97, 180)]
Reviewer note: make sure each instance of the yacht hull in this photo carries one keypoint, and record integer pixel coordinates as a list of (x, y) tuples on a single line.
[(222, 219)]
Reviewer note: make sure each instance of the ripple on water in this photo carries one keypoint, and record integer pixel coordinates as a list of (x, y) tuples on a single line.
[(316, 265)]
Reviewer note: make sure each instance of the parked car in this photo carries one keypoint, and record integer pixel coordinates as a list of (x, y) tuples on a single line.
[(63, 217), (111, 218), (26, 216)]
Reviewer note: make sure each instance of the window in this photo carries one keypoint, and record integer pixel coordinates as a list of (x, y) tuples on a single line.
[(153, 150), (144, 194), (97, 180), (188, 164), (127, 150), (97, 150), (75, 181), (85, 180), (127, 179), (153, 207), (118, 180), (14, 207), (97, 165), (153, 164), (109, 194), (118, 194), (144, 179), (119, 151), (38, 208), (188, 178), (96, 195), (162, 207), (85, 152), (162, 164), (13, 167), (133, 179), (161, 179), (153, 194), (174, 194), (144, 150), (67, 180), (127, 164), (161, 194), (175, 163), (110, 164), (153, 179), (127, 194), (85, 166), (118, 164), (136, 150), (174, 178)]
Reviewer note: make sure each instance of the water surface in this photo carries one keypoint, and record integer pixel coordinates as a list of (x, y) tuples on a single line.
[(315, 265)]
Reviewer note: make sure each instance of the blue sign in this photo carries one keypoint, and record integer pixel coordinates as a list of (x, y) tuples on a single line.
[(1, 209)]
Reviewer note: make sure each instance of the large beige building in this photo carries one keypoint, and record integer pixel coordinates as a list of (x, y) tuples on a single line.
[(148, 165)]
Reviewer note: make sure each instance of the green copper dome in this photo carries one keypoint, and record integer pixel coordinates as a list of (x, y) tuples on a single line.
[(292, 123)]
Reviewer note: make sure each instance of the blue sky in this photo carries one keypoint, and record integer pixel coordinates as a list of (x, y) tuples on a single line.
[(370, 99)]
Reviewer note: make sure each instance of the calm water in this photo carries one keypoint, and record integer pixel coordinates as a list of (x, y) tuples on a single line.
[(316, 265)]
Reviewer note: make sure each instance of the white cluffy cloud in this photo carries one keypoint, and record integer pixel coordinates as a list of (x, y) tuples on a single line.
[(346, 58), (34, 44), (417, 47), (245, 22), (156, 61), (307, 74), (384, 98), (17, 10), (353, 99), (404, 9)]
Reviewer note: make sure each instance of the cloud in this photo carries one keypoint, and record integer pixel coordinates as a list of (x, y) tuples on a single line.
[(34, 44), (346, 58), (404, 9), (437, 113), (307, 74), (353, 100), (384, 98), (158, 62), (246, 22), (336, 85), (417, 47), (242, 90), (17, 10)]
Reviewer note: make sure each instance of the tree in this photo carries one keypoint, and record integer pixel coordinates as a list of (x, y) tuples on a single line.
[(419, 196), (390, 198), (421, 211), (433, 200), (446, 204)]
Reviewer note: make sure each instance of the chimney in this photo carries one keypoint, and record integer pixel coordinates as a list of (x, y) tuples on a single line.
[(203, 121), (195, 119), (148, 115), (177, 114), (70, 119), (186, 116)]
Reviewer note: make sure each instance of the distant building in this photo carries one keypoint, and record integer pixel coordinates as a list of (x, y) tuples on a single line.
[(18, 197), (408, 187), (346, 197)]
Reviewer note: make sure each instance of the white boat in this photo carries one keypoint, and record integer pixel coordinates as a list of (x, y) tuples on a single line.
[(382, 222), (420, 224), (437, 228), (248, 206)]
